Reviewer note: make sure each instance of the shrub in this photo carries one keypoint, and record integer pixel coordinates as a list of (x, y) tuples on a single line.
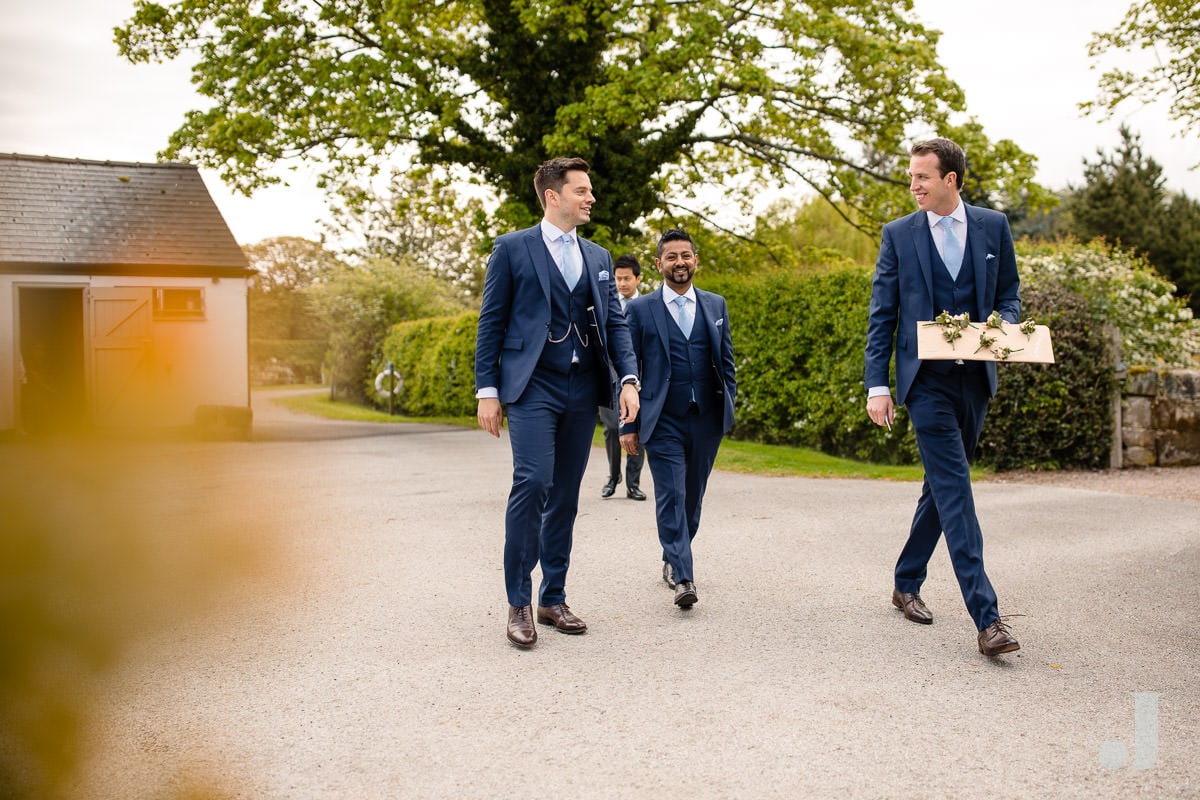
[(798, 344), (436, 360), (1156, 328), (1053, 416)]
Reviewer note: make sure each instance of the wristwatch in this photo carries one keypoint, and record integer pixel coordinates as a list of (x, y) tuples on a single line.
[(637, 385)]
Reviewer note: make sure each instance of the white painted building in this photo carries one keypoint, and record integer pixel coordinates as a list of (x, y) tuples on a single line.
[(122, 300)]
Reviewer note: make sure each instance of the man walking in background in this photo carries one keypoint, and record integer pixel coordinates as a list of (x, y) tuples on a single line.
[(946, 256), (551, 333), (685, 353), (628, 274)]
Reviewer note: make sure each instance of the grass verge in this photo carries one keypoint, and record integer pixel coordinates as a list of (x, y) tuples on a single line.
[(734, 456)]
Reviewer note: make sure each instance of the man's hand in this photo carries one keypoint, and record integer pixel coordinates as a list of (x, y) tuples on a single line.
[(630, 403), (630, 443), (490, 415), (881, 410)]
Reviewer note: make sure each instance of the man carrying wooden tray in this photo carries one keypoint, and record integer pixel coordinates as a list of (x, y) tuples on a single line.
[(946, 256)]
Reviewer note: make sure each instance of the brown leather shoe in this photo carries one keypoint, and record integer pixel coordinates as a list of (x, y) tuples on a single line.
[(685, 594), (561, 617), (996, 639), (913, 606), (520, 626), (668, 575)]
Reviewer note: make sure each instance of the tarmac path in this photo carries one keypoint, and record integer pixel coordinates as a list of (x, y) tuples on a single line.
[(373, 663)]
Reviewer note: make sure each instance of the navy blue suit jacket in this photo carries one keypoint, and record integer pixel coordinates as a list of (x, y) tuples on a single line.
[(514, 318), (648, 321), (902, 291)]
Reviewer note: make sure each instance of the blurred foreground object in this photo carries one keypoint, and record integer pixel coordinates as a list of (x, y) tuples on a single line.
[(101, 547)]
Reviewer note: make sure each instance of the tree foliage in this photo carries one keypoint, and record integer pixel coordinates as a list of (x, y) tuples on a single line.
[(288, 263), (1124, 201), (662, 98), (421, 216), (360, 303), (287, 336), (1170, 29)]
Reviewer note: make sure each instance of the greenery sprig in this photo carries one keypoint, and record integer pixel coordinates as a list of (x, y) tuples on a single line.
[(952, 325)]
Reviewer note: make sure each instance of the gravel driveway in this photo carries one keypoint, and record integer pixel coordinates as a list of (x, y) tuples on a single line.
[(366, 658)]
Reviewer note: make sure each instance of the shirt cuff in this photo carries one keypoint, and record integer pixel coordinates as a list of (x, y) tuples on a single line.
[(487, 393), (878, 391)]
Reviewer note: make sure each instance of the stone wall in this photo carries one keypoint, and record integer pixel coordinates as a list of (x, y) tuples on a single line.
[(1160, 418)]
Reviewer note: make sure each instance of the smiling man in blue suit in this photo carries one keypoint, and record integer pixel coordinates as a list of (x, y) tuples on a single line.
[(551, 341), (946, 256), (685, 356)]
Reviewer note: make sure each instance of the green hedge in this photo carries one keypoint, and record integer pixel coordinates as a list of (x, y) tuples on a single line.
[(436, 360), (1051, 416), (798, 342)]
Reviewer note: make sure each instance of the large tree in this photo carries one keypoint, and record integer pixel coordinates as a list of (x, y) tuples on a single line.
[(287, 337), (421, 216), (1125, 201), (1170, 29), (661, 96)]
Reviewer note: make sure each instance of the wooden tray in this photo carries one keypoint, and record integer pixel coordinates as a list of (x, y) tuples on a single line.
[(1032, 348)]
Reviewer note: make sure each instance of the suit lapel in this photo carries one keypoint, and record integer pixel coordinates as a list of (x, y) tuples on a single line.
[(658, 312), (922, 242), (710, 317), (977, 252), (539, 256)]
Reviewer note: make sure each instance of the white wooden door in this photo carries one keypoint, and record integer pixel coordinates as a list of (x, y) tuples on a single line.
[(121, 345)]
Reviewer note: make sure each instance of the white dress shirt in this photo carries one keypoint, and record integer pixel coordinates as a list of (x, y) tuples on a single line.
[(669, 295)]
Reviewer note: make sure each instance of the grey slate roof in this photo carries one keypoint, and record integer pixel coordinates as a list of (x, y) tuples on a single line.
[(73, 216)]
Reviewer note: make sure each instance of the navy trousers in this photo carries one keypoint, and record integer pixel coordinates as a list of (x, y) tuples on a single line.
[(947, 413), (550, 429), (681, 454)]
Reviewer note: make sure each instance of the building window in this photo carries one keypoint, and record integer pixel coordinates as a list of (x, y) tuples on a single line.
[(179, 303)]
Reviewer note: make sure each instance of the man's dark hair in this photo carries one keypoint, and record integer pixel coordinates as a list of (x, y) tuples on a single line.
[(627, 261), (552, 174), (951, 157), (673, 235)]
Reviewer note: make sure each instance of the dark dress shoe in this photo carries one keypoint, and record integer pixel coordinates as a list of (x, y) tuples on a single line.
[(520, 626), (668, 575), (635, 493), (996, 639), (561, 617), (609, 488), (913, 606), (685, 594)]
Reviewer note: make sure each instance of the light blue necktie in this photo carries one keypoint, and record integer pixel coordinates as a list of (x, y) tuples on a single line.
[(570, 262), (952, 252), (684, 316)]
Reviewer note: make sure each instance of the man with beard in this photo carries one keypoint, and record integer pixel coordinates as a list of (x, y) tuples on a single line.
[(685, 357)]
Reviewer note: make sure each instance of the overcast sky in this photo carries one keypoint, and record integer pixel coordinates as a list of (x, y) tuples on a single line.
[(1023, 65)]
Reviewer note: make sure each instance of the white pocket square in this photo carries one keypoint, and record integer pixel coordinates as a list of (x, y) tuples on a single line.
[(989, 257), (603, 276), (720, 322)]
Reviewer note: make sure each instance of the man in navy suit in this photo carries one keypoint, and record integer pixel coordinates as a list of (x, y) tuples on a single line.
[(947, 256), (685, 355), (628, 274), (551, 333)]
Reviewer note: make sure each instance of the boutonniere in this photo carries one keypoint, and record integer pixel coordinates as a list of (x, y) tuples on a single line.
[(603, 276), (952, 325)]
